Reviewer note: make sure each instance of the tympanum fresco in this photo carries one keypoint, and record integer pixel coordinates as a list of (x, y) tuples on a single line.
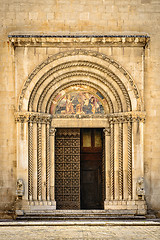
[(78, 100)]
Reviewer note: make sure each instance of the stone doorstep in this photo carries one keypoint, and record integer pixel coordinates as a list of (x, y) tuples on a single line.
[(121, 222), (77, 214)]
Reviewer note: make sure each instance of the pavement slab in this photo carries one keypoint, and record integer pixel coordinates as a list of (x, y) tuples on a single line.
[(79, 232)]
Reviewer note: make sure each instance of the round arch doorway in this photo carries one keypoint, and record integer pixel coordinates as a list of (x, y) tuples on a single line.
[(49, 100)]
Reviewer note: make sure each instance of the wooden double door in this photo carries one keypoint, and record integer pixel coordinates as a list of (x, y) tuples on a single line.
[(79, 174)]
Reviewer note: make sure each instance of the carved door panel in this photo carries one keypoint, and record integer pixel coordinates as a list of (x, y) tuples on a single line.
[(67, 169)]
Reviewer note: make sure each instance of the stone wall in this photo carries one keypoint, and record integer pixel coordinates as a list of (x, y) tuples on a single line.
[(99, 17)]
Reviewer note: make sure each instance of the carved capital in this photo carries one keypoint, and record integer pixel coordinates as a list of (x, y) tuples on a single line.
[(127, 117), (21, 117), (138, 117), (33, 117)]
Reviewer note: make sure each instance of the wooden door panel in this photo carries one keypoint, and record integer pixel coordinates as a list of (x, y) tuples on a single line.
[(91, 169), (90, 189), (67, 169)]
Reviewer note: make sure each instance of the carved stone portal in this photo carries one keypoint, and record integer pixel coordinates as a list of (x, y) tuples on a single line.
[(80, 89)]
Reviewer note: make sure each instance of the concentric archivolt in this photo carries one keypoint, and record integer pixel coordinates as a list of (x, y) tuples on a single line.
[(80, 64), (79, 73)]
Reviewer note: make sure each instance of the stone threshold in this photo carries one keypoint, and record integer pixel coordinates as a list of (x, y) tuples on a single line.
[(14, 223)]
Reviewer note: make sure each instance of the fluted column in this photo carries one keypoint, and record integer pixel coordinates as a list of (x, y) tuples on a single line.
[(52, 152), (107, 163)]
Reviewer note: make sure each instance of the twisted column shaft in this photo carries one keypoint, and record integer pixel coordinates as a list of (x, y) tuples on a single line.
[(129, 160), (39, 161), (30, 161), (120, 156), (48, 162), (112, 161)]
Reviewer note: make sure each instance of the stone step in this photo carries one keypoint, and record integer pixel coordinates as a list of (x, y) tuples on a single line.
[(75, 215)]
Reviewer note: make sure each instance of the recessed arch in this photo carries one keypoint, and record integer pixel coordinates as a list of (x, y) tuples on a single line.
[(75, 64), (106, 70), (89, 78)]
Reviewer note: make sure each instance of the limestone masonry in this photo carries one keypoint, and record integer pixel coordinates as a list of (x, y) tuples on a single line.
[(80, 106)]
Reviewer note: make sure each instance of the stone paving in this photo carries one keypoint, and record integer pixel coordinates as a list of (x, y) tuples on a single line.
[(79, 232)]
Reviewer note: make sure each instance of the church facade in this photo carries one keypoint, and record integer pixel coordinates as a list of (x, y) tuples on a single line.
[(80, 116)]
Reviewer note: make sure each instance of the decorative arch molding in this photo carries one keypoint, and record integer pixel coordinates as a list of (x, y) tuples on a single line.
[(122, 124), (109, 67), (83, 64), (82, 74)]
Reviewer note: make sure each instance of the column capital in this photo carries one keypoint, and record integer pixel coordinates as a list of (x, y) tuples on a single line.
[(133, 116), (34, 117)]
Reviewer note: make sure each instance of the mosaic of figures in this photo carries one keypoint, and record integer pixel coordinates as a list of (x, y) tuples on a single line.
[(79, 103), (78, 99)]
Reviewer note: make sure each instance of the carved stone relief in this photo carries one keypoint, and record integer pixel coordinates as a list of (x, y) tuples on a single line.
[(20, 188)]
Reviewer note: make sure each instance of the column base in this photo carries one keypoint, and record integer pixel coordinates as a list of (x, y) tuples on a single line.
[(34, 206), (42, 205), (124, 207)]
